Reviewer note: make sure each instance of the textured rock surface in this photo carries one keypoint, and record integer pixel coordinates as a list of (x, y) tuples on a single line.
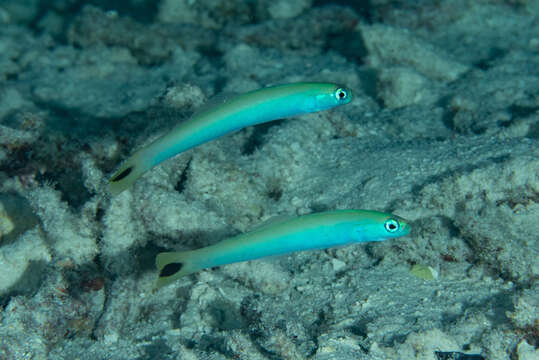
[(443, 130)]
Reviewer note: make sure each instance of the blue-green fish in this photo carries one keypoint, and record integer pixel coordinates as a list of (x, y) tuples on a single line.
[(248, 109), (315, 231)]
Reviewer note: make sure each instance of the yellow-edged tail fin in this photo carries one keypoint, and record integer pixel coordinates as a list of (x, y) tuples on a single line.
[(174, 265), (127, 174)]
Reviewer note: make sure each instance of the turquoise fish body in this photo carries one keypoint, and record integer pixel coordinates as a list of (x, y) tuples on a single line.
[(248, 109), (308, 232)]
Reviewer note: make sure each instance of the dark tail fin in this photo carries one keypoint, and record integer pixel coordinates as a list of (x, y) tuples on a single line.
[(128, 173), (174, 265)]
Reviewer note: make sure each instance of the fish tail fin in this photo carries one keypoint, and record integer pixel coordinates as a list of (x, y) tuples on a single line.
[(174, 265), (128, 173)]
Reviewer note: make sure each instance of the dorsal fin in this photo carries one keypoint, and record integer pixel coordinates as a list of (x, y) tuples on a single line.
[(271, 221), (214, 101)]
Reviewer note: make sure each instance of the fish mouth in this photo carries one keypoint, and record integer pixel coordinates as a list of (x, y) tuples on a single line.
[(405, 227)]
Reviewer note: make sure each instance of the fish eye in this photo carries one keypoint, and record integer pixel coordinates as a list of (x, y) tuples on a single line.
[(341, 94), (391, 225)]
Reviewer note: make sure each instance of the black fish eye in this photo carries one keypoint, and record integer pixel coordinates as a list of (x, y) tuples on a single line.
[(341, 94), (391, 225)]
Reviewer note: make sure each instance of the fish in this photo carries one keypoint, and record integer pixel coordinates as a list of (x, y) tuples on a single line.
[(251, 108), (315, 231)]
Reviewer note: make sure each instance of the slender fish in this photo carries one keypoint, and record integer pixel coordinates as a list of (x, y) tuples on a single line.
[(248, 109), (315, 231)]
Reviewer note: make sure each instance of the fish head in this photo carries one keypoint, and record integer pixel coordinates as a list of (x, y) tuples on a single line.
[(378, 226), (332, 96)]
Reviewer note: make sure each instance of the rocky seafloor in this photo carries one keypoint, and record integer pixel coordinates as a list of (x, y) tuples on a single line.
[(443, 131)]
